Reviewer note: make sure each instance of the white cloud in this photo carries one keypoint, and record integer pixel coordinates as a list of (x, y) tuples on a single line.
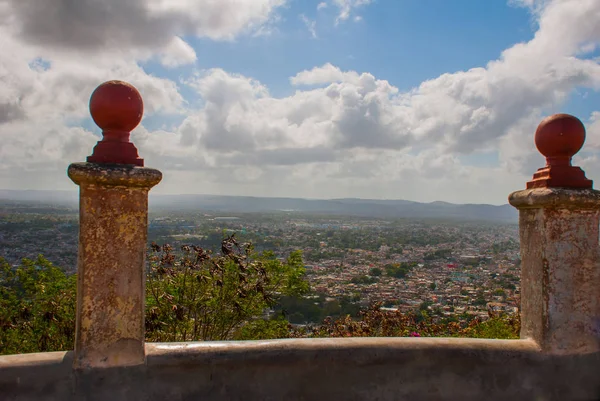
[(325, 74), (593, 132), (346, 7), (115, 23), (44, 104), (358, 129), (54, 55), (177, 52), (89, 26), (311, 25), (589, 158), (537, 6), (321, 5)]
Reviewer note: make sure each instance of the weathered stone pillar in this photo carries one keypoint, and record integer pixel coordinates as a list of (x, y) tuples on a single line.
[(559, 213), (113, 225)]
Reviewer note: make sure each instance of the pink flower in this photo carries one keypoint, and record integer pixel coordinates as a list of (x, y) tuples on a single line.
[(415, 334)]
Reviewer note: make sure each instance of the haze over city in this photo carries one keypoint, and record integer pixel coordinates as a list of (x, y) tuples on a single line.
[(380, 99)]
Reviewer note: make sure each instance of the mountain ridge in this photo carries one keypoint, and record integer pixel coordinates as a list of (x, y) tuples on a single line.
[(380, 208)]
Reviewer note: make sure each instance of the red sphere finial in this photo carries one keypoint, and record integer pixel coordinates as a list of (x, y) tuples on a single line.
[(117, 108), (559, 138)]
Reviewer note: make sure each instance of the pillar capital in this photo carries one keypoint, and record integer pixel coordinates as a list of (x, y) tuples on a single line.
[(117, 108)]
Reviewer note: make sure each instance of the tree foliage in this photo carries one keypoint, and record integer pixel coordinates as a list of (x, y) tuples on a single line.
[(197, 296), (375, 322), (190, 295), (193, 294), (399, 270), (363, 279), (37, 307)]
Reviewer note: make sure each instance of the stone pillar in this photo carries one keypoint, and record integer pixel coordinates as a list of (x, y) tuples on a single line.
[(113, 228), (559, 213)]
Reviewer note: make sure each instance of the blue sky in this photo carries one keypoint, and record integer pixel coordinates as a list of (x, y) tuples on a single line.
[(413, 99), (403, 41)]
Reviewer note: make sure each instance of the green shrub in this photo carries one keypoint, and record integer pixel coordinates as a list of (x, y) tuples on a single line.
[(37, 307)]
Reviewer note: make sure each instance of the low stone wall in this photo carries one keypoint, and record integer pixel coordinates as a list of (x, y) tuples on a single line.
[(314, 369)]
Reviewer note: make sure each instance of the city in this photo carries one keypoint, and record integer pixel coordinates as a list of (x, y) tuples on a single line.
[(453, 269)]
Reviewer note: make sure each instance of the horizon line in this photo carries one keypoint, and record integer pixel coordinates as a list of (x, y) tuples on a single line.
[(75, 191)]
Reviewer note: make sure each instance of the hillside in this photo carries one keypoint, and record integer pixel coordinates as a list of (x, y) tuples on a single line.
[(247, 204)]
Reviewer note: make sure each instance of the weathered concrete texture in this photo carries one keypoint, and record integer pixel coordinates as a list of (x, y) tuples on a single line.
[(321, 369), (113, 217), (560, 270)]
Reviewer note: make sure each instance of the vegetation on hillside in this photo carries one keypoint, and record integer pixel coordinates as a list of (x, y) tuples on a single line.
[(197, 296), (37, 307), (375, 322), (194, 294)]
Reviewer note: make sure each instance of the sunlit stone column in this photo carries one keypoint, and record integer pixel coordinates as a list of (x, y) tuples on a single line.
[(113, 228), (559, 213)]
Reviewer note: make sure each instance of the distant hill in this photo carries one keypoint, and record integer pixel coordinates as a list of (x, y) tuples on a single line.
[(249, 204), (352, 207), (64, 198)]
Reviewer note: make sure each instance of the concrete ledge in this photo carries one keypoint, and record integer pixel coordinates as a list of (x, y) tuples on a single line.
[(33, 360), (346, 350), (315, 369)]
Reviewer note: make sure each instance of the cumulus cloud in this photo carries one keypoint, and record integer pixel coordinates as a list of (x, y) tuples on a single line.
[(325, 74), (177, 52), (92, 25), (55, 52), (468, 110), (357, 128), (40, 106)]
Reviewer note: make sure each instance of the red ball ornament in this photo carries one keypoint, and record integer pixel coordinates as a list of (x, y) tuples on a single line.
[(559, 138), (117, 108)]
